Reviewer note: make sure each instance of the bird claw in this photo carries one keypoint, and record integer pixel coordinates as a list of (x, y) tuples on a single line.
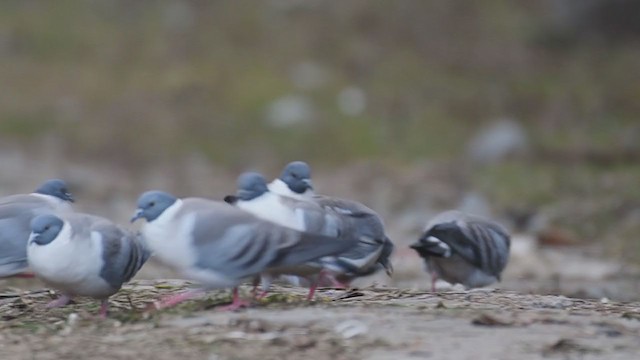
[(235, 305), (173, 300), (262, 295), (24, 275), (104, 309), (59, 302)]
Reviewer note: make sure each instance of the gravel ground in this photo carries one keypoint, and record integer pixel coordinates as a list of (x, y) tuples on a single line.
[(369, 323)]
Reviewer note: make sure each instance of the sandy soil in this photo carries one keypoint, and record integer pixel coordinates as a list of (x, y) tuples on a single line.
[(370, 323)]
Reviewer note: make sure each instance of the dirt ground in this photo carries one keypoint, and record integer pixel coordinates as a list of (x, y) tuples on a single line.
[(370, 323)]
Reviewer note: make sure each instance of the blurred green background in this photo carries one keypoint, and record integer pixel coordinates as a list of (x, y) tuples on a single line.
[(134, 84)]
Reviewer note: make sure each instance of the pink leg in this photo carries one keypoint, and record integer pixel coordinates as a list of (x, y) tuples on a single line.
[(312, 290), (262, 295), (25, 275), (61, 301), (104, 307), (326, 276), (173, 300), (236, 304)]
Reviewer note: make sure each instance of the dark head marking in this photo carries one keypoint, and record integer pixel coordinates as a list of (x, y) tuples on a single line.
[(297, 176), (152, 204), (45, 228), (57, 188), (250, 186)]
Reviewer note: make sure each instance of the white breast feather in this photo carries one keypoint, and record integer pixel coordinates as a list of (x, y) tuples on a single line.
[(70, 265), (269, 207), (279, 187), (170, 238)]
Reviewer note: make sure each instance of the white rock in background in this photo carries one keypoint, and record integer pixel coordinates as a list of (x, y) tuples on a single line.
[(352, 101), (179, 16), (497, 141), (290, 110), (351, 328)]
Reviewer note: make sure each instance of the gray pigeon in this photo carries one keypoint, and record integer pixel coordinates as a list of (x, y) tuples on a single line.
[(321, 215), (463, 249), (369, 256), (220, 245), (16, 213), (254, 197), (83, 255), (295, 182)]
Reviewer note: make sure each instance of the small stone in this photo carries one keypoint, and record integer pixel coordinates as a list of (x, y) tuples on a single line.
[(303, 342), (351, 328)]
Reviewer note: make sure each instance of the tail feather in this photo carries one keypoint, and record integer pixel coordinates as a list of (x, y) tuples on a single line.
[(431, 246), (230, 199), (312, 247)]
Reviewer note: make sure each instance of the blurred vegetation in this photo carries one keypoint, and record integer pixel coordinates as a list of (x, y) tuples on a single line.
[(166, 77), (137, 82)]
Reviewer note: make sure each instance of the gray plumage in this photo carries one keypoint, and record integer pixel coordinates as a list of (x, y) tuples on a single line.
[(369, 256), (123, 254), (322, 215), (464, 249), (84, 255), (16, 213), (375, 248), (294, 181), (220, 245)]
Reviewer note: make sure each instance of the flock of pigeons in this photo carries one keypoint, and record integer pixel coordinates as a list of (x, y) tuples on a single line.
[(265, 231)]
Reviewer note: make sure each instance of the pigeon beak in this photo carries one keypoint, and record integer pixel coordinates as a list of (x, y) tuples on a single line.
[(69, 197), (230, 199), (308, 183), (33, 238), (138, 214), (388, 268)]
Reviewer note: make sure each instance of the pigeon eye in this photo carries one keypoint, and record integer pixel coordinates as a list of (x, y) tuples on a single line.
[(153, 203)]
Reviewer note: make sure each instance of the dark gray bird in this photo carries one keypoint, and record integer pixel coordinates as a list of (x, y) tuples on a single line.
[(220, 245), (16, 213), (322, 215), (463, 249), (295, 182), (83, 255)]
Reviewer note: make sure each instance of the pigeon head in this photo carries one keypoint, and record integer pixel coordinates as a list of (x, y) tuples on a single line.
[(444, 230), (152, 204), (297, 176), (57, 188), (45, 228), (250, 186)]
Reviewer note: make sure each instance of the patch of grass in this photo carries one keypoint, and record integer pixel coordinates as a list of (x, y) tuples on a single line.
[(25, 126), (30, 326)]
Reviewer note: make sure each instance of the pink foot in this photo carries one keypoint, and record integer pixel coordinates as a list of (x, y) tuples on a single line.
[(104, 308), (262, 295), (312, 291), (25, 275), (61, 301), (326, 277), (236, 304), (173, 300)]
